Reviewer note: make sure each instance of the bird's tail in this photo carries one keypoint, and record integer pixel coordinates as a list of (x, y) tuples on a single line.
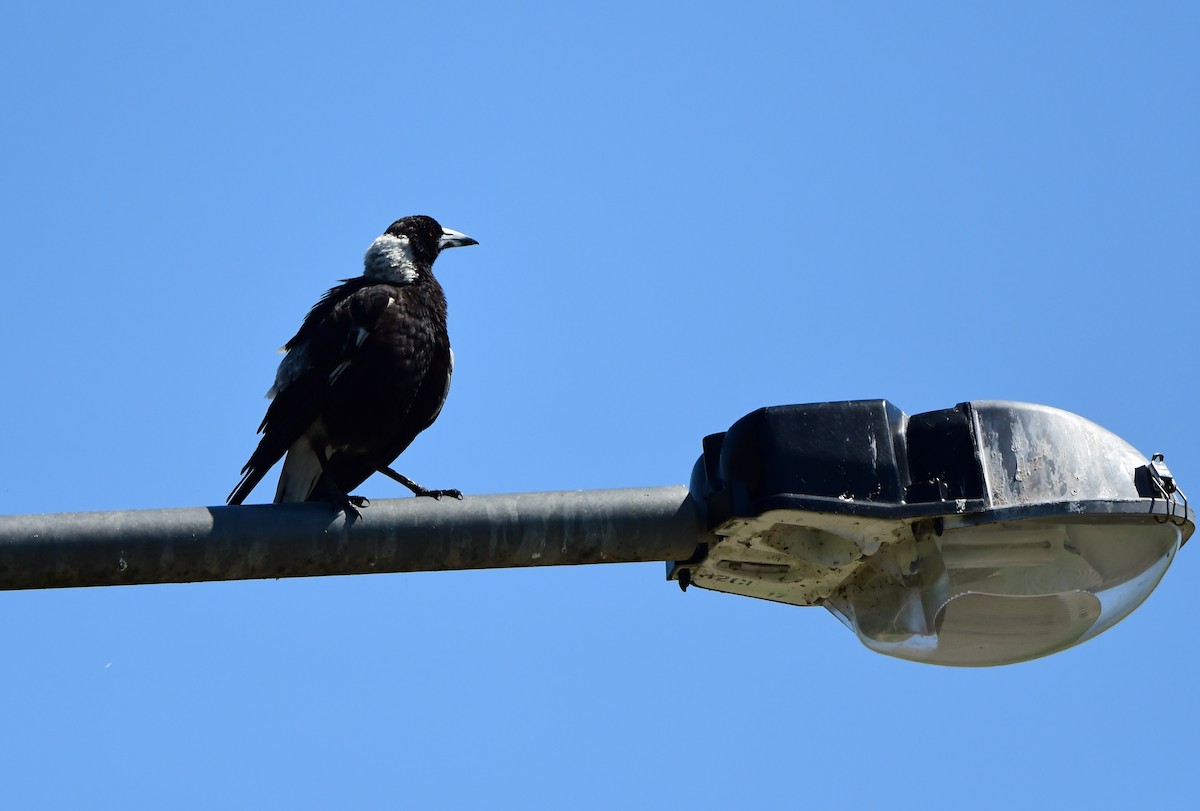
[(301, 470), (251, 476), (260, 463)]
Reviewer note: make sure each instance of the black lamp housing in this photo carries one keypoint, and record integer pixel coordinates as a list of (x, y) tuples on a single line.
[(938, 537)]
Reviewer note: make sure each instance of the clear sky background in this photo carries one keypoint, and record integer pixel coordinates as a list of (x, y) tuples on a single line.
[(686, 212)]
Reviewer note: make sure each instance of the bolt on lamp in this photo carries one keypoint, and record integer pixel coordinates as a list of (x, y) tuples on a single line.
[(986, 534)]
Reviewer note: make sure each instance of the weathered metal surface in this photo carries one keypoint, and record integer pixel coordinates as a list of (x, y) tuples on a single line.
[(301, 540), (1037, 454)]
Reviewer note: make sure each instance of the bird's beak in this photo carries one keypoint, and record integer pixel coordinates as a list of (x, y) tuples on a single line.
[(454, 239)]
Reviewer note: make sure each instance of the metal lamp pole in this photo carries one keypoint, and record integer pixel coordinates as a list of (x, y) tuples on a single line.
[(305, 540)]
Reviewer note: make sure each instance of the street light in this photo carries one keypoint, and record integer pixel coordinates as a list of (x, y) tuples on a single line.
[(985, 534)]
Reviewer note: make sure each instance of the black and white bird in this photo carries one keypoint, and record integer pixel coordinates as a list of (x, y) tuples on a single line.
[(368, 371)]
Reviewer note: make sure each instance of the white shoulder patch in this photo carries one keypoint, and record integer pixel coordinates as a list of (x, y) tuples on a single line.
[(294, 364)]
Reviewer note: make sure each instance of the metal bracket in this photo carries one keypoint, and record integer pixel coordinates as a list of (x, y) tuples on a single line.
[(1164, 483)]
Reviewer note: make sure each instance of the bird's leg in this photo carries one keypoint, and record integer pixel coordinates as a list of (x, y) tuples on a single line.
[(333, 493), (341, 501), (417, 489)]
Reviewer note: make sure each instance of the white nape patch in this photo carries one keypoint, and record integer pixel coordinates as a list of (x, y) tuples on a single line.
[(294, 364), (390, 259)]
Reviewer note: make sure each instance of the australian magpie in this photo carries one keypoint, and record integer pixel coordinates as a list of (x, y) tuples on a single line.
[(367, 372)]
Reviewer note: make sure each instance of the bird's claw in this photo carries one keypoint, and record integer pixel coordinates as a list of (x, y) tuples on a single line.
[(439, 493), (351, 505)]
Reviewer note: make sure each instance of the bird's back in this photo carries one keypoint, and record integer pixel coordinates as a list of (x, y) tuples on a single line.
[(394, 388)]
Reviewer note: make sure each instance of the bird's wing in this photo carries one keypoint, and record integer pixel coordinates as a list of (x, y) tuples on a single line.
[(316, 357), (348, 471)]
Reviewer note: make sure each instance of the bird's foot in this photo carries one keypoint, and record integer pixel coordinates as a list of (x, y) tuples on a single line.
[(344, 502), (351, 505), (422, 491), (418, 490)]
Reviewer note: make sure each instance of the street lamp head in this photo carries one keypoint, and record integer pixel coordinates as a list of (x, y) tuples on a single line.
[(986, 534)]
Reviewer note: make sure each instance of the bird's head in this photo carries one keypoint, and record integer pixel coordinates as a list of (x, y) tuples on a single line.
[(408, 248)]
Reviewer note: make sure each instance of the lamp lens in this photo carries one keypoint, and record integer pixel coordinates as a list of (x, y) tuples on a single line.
[(1007, 592)]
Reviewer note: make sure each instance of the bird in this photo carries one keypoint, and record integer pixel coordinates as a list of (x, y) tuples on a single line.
[(368, 370)]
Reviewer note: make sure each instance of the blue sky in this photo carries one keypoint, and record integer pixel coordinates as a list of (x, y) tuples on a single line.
[(685, 212)]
